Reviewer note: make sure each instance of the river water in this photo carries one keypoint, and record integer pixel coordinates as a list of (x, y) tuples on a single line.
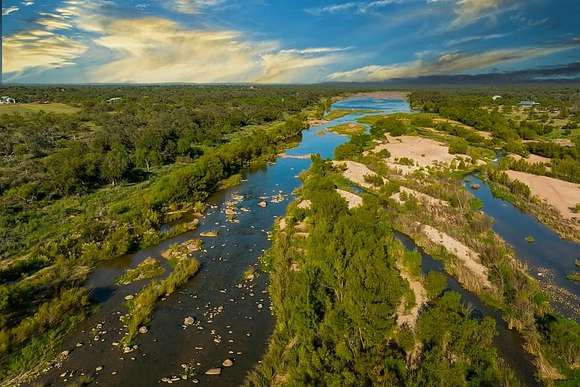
[(549, 258), (233, 317)]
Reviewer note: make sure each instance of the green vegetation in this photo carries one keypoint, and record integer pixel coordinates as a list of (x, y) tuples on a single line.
[(231, 181), (100, 182), (24, 108), (147, 269), (339, 113), (142, 305), (519, 298), (348, 129), (336, 314)]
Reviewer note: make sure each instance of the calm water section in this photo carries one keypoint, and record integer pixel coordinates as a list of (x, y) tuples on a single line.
[(548, 250)]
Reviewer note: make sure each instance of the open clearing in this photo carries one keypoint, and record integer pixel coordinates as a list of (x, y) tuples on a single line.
[(355, 172), (23, 108), (352, 199), (423, 151), (560, 194)]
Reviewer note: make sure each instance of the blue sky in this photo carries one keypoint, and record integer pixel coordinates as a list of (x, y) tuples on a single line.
[(275, 41)]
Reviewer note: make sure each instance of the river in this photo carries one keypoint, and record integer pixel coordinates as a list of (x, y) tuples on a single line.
[(549, 258), (233, 318)]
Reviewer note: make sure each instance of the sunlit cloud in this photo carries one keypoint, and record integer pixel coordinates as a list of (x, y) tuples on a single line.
[(470, 11), (39, 49), (155, 50), (449, 63)]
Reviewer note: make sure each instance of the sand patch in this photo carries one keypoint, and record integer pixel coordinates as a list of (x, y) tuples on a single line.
[(355, 172), (423, 151), (424, 198), (352, 199), (532, 158), (305, 204), (468, 258), (483, 134), (560, 194), (409, 318), (317, 122)]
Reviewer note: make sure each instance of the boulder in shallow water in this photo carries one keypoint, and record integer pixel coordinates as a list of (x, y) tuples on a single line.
[(263, 204), (143, 330), (228, 363), (214, 371), (188, 321), (475, 186)]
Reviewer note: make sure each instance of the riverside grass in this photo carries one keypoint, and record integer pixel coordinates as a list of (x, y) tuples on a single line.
[(142, 305)]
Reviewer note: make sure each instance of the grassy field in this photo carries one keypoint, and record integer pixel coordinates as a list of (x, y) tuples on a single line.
[(37, 107)]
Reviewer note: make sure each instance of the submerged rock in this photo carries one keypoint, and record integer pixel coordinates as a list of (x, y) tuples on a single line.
[(214, 371), (263, 204)]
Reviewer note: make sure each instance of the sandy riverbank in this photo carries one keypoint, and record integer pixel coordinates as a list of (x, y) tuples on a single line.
[(560, 194)]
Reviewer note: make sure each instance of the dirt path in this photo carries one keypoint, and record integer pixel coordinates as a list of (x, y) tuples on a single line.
[(409, 317)]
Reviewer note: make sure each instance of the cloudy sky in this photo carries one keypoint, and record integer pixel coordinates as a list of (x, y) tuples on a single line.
[(283, 41)]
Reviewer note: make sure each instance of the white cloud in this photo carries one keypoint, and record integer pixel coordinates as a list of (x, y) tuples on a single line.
[(353, 6), (470, 11), (8, 10), (473, 38), (155, 50), (39, 49), (449, 63), (193, 6)]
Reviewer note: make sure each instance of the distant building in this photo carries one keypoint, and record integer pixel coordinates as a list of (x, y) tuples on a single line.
[(528, 104), (114, 99), (496, 97), (6, 100)]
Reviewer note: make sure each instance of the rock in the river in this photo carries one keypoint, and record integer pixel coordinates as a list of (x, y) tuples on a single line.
[(99, 368), (228, 363), (188, 320), (143, 330), (475, 186), (263, 204), (214, 371), (129, 297)]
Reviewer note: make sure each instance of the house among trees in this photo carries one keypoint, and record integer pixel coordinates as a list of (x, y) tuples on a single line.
[(5, 100), (528, 104)]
